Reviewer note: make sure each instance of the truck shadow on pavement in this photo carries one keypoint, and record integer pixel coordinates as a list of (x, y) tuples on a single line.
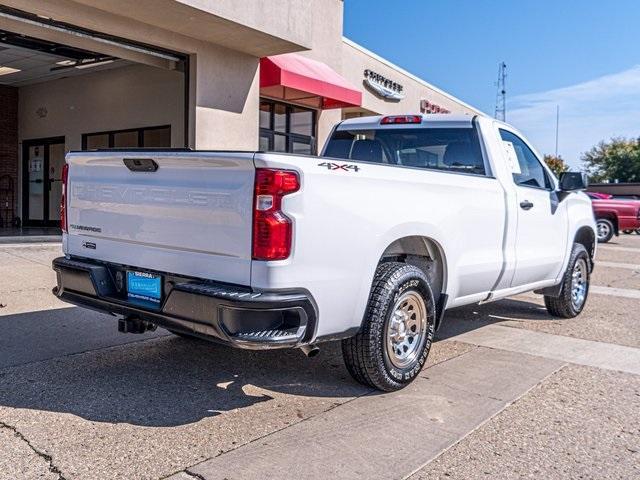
[(516, 311), (167, 381)]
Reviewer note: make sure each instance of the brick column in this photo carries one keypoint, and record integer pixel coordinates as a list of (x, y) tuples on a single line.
[(8, 145)]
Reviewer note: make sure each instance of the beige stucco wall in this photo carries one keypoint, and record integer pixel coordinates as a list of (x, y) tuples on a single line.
[(226, 96), (128, 97), (353, 60)]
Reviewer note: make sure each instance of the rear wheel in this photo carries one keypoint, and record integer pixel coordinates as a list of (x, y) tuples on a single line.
[(397, 331), (605, 230), (575, 286)]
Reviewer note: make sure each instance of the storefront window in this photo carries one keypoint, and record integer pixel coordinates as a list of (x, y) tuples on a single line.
[(125, 139), (94, 142), (279, 117), (265, 115), (287, 128), (301, 121), (148, 137)]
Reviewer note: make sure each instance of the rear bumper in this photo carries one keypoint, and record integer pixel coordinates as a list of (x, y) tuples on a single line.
[(235, 315)]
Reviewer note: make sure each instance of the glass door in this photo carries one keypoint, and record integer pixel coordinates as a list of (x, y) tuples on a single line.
[(56, 162), (42, 162)]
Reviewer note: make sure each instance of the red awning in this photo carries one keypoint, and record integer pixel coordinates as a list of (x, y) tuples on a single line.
[(299, 79)]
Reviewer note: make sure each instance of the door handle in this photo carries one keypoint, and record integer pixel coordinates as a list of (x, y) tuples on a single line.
[(526, 205)]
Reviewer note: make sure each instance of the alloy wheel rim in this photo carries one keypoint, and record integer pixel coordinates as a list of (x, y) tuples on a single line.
[(579, 283), (406, 329), (603, 230)]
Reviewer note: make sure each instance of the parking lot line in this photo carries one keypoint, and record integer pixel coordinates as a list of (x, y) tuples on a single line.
[(377, 436), (568, 349), (619, 249), (630, 266), (615, 292), (29, 245)]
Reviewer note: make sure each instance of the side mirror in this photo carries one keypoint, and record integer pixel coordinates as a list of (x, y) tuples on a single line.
[(572, 181)]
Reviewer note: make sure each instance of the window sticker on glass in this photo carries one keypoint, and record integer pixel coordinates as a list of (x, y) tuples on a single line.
[(512, 158)]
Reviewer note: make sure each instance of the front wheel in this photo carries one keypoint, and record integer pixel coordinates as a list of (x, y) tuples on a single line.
[(605, 230), (575, 286), (397, 331)]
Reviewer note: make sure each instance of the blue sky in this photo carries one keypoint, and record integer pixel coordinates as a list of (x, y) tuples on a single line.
[(581, 55)]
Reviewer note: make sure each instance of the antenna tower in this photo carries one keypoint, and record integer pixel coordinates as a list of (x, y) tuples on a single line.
[(501, 93)]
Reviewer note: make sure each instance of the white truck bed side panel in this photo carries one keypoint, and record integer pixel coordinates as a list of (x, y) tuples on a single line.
[(344, 220)]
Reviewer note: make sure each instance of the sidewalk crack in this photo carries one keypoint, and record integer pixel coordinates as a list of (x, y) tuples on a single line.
[(194, 475), (47, 458)]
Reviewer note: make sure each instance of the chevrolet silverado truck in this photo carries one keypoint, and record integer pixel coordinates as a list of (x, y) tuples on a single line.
[(613, 215), (400, 218)]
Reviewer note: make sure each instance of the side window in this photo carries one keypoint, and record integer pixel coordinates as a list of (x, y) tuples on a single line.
[(528, 172)]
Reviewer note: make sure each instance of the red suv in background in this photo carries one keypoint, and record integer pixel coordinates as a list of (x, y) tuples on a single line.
[(613, 215)]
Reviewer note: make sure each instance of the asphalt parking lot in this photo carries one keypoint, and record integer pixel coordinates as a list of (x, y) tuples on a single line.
[(509, 392)]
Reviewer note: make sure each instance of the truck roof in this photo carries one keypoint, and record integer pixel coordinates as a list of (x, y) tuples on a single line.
[(431, 120)]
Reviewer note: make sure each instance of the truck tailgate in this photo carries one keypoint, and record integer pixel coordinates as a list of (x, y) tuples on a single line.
[(191, 215)]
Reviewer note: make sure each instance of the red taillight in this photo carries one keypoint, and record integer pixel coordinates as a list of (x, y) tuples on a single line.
[(63, 198), (272, 229), (397, 119)]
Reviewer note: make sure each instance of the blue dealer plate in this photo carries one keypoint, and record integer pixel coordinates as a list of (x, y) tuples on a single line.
[(144, 286)]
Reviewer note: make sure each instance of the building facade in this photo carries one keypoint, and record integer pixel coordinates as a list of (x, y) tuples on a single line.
[(202, 74)]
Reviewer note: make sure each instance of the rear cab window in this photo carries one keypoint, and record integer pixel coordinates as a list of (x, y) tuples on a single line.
[(448, 149)]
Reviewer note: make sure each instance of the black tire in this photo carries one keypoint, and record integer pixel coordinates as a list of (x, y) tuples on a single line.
[(628, 232), (367, 354), (604, 225), (564, 305)]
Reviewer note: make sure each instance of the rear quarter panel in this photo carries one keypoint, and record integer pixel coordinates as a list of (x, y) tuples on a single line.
[(345, 219)]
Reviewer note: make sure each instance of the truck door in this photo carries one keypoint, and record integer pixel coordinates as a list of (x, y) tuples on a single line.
[(542, 225)]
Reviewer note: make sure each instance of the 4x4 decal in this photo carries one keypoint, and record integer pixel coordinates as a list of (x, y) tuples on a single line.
[(340, 166)]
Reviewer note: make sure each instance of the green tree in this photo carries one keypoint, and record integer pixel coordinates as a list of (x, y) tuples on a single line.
[(615, 160), (556, 164)]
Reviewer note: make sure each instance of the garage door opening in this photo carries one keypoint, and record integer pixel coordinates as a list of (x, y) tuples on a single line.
[(56, 98)]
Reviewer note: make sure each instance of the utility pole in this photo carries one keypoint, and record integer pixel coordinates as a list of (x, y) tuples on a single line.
[(557, 126), (501, 93)]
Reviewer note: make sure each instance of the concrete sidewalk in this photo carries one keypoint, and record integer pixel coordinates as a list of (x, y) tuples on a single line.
[(382, 436)]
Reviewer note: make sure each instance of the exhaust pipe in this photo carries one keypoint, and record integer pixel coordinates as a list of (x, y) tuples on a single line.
[(133, 324), (310, 350)]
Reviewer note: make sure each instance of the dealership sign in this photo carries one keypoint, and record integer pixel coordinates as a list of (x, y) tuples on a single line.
[(383, 86), (428, 107)]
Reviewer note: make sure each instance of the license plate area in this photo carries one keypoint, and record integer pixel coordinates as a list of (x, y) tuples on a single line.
[(144, 287)]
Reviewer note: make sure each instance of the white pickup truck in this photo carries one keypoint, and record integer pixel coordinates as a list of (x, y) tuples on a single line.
[(399, 219)]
